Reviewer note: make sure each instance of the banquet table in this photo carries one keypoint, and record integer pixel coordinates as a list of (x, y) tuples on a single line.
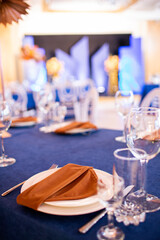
[(35, 152)]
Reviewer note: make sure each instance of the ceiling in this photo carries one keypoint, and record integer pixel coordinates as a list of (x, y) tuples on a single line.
[(148, 9)]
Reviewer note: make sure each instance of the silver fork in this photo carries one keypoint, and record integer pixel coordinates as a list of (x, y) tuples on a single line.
[(21, 183), (93, 221)]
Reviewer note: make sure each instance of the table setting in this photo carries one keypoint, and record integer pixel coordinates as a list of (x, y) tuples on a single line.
[(60, 200)]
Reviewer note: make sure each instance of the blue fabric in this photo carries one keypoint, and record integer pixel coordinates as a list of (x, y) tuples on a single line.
[(35, 152), (146, 89)]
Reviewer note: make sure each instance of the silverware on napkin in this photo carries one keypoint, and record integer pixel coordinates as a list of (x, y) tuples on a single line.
[(19, 184), (93, 221)]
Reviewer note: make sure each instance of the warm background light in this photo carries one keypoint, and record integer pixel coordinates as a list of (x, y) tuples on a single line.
[(41, 22)]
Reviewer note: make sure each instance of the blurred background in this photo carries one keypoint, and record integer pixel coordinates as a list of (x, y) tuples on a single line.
[(114, 43)]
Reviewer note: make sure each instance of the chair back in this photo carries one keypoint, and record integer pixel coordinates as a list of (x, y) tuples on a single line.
[(152, 99)]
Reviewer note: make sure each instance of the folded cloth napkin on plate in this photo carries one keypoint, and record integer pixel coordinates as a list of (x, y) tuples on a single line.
[(24, 119), (70, 182), (6, 134), (153, 136), (74, 125)]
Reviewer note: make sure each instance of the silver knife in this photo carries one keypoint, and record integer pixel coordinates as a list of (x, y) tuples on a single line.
[(88, 225)]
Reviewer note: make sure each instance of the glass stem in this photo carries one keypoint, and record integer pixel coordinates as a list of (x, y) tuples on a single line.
[(143, 176), (3, 151), (124, 124), (110, 219)]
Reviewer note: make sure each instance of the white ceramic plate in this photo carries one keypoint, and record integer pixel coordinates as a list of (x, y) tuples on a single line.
[(70, 207), (80, 130), (52, 128), (23, 124)]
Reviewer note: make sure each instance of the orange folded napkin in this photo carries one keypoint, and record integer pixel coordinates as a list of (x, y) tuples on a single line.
[(75, 125), (6, 134), (153, 136), (24, 119), (70, 182)]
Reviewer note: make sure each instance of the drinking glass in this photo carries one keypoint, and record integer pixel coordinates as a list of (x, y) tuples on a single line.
[(45, 102), (111, 232), (61, 113), (124, 100), (5, 122), (143, 132), (128, 167)]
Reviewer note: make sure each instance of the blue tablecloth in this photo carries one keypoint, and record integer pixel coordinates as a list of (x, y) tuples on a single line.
[(35, 152)]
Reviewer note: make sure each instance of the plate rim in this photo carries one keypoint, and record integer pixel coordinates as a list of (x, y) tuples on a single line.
[(66, 210)]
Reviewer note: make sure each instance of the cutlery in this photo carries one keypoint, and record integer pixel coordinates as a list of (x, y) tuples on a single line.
[(93, 221), (19, 184)]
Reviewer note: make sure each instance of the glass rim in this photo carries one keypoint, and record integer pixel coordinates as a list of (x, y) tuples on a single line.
[(146, 109), (142, 157)]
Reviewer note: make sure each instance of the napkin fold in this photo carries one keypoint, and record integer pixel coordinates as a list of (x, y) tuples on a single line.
[(6, 134), (70, 182), (154, 136), (75, 125), (24, 119)]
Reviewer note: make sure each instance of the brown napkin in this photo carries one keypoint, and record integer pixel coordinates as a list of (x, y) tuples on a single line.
[(6, 134), (155, 136), (75, 125), (68, 183), (25, 119)]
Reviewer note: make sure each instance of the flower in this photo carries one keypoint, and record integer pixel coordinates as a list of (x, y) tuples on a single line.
[(11, 10), (32, 52), (54, 66)]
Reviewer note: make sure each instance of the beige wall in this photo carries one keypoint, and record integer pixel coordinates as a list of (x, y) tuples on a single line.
[(8, 51), (151, 48)]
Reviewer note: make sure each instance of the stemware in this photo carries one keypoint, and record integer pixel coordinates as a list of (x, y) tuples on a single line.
[(45, 100), (142, 131), (124, 100), (111, 198), (60, 113), (5, 122), (128, 167)]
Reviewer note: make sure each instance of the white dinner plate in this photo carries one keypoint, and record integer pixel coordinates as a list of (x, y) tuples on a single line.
[(69, 207), (80, 130), (23, 124), (54, 127)]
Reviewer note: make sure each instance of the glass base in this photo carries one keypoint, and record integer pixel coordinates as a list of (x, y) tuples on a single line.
[(152, 206), (128, 213), (6, 162), (106, 233), (120, 139), (144, 201)]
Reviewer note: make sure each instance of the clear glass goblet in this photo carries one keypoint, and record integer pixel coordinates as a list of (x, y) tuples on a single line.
[(61, 113), (142, 131), (5, 122), (45, 102), (111, 232), (124, 100)]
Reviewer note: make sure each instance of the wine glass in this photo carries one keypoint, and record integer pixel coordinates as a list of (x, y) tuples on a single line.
[(142, 131), (45, 100), (124, 100), (5, 122), (111, 198), (61, 113)]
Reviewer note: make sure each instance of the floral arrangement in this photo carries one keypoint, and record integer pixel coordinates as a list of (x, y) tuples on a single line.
[(32, 52), (11, 10), (54, 67)]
